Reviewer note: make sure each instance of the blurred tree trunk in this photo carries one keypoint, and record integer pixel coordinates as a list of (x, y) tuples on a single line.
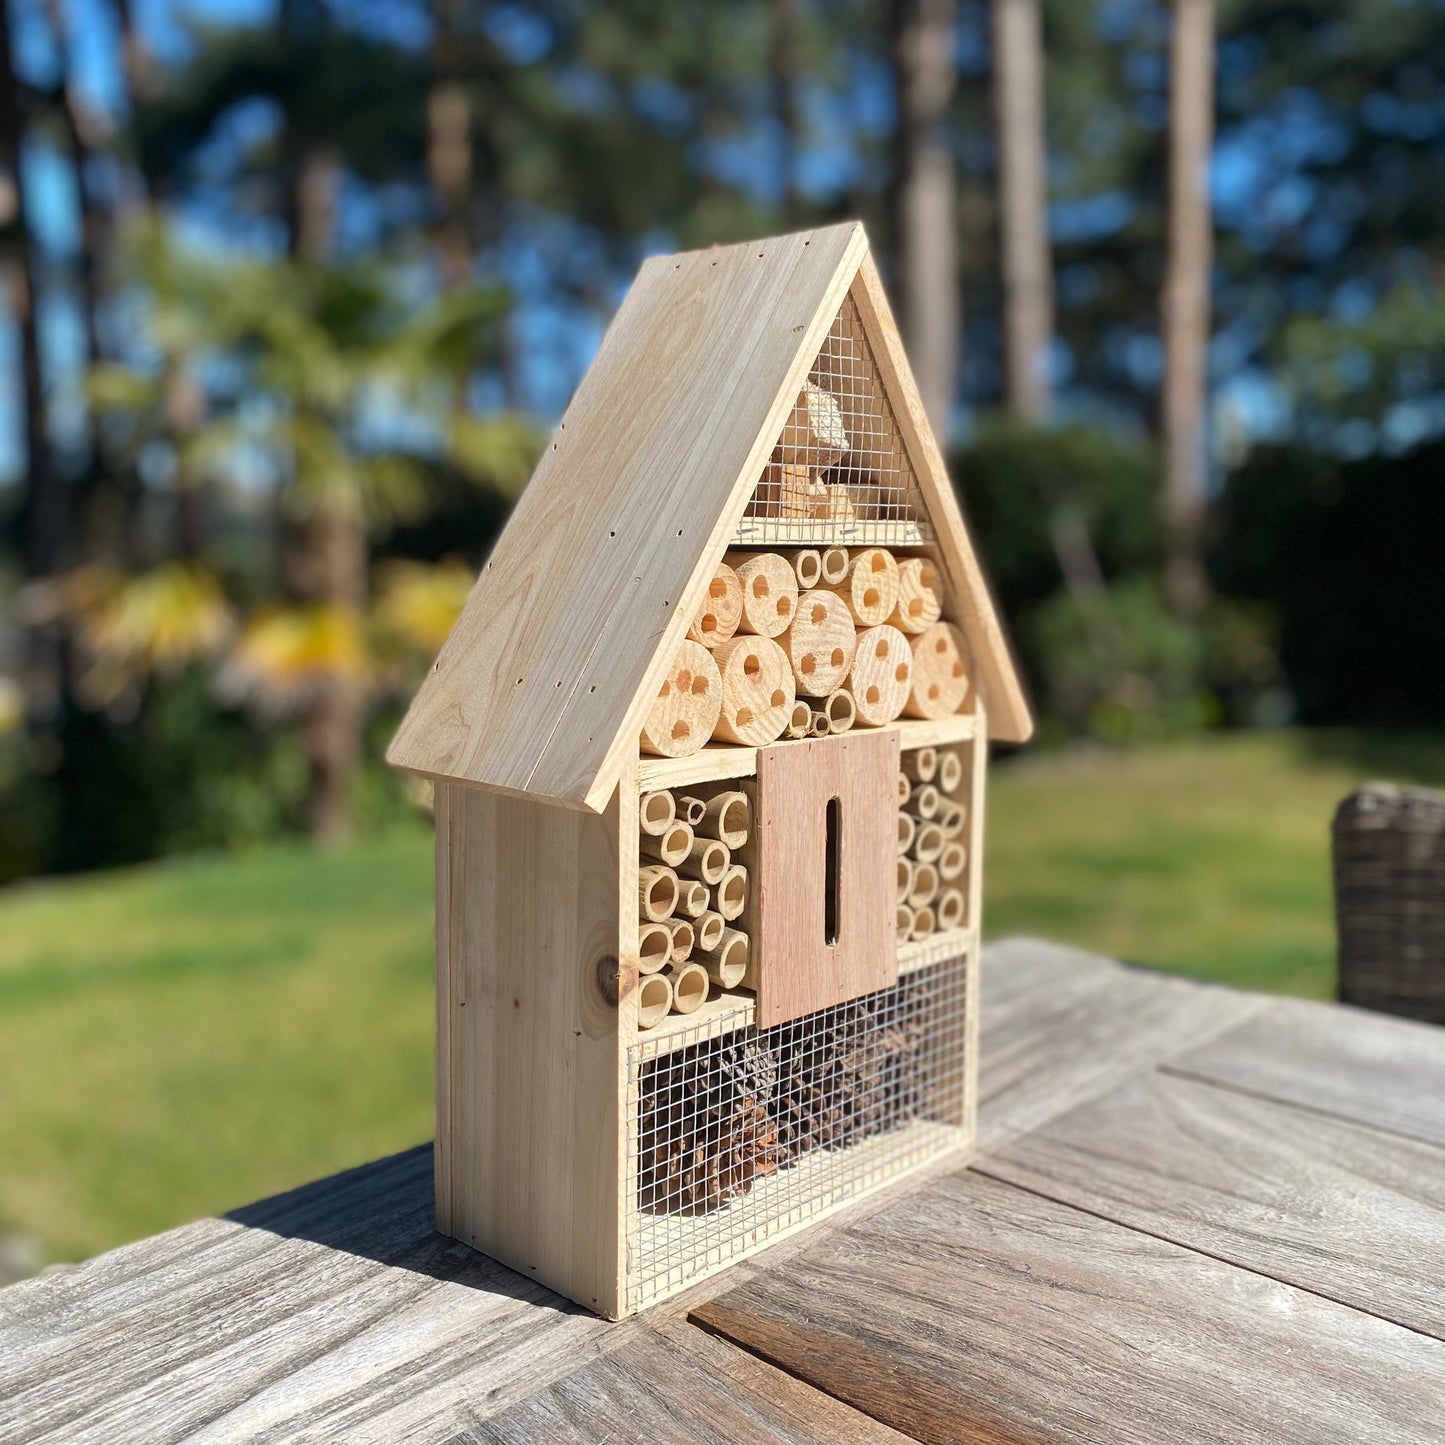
[(785, 72), (42, 511), (1184, 305), (449, 147), (1028, 309), (924, 69)]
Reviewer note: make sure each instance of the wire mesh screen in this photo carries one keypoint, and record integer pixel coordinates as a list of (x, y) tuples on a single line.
[(739, 1136), (839, 474)]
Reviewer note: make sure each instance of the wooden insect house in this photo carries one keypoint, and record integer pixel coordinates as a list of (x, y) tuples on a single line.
[(708, 743)]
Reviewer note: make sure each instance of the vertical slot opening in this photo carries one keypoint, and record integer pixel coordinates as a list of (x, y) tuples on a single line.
[(831, 853)]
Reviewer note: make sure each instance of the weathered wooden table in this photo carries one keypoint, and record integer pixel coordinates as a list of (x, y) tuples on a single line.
[(1195, 1215)]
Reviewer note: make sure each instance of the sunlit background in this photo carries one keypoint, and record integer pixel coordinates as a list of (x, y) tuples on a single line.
[(292, 296)]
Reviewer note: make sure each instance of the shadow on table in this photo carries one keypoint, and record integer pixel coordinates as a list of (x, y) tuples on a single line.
[(383, 1211)]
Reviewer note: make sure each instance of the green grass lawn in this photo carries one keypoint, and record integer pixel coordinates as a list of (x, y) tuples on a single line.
[(180, 1039)]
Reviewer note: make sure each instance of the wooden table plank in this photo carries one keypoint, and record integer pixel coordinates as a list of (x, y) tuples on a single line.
[(331, 1312), (1060, 1026), (1386, 1072), (1353, 1214), (676, 1383), (982, 1312)]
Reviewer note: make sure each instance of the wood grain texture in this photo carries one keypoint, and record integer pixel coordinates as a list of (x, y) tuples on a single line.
[(530, 1090), (1008, 714), (1352, 1214), (1385, 1072), (798, 969), (562, 645), (676, 1383), (975, 1311)]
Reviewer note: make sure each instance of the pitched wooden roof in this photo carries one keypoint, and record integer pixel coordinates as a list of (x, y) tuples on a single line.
[(542, 686)]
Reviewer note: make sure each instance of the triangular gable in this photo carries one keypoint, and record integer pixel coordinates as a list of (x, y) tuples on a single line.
[(572, 625)]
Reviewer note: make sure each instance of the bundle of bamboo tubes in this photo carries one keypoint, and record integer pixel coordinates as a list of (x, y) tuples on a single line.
[(690, 895), (932, 855), (809, 643)]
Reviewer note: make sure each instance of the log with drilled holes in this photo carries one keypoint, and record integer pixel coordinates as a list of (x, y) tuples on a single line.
[(919, 605), (686, 710), (870, 590), (721, 611), (940, 672), (757, 691), (878, 679), (769, 592), (820, 643)]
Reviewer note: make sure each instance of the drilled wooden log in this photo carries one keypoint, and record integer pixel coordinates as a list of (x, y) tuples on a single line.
[(721, 610), (878, 678), (840, 710), (920, 764), (905, 923), (690, 810), (707, 860), (940, 672), (919, 604), (727, 963), (654, 946), (807, 565), (950, 771), (870, 590), (757, 691), (927, 802), (656, 892), (905, 879), (924, 923), (708, 929), (769, 592), (907, 826), (730, 895), (814, 434), (670, 847), (654, 1000), (925, 884), (656, 812), (951, 908), (820, 643), (928, 843), (689, 986), (952, 861), (686, 710), (800, 724), (727, 816), (683, 939), (834, 564)]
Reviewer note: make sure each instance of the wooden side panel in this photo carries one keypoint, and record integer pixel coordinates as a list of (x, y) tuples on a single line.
[(799, 969), (573, 620), (528, 1044)]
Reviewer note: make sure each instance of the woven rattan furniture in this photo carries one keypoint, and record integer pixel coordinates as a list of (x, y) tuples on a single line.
[(1389, 865)]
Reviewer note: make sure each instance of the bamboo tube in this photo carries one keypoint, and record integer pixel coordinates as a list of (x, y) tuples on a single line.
[(925, 884), (686, 709), (834, 565), (654, 947), (671, 848), (727, 817), (870, 591), (727, 964), (840, 710), (919, 604), (707, 859), (951, 908), (905, 923), (690, 810), (692, 897), (730, 896), (923, 924), (689, 986), (927, 801), (952, 818), (879, 676), (721, 611), (906, 829), (807, 565), (654, 1000), (921, 764), (950, 771), (952, 861), (905, 879), (819, 643), (814, 434), (928, 843), (683, 939), (905, 788), (801, 722), (757, 691), (940, 672), (818, 728), (708, 930), (770, 592), (656, 892), (656, 812)]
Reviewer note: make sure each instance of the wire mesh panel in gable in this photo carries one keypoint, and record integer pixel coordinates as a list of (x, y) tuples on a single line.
[(839, 475)]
